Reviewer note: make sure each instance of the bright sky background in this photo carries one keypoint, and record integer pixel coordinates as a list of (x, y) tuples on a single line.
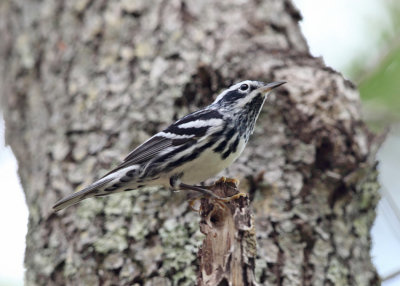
[(13, 217), (338, 30)]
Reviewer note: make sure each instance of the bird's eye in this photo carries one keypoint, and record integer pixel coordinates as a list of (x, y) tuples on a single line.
[(244, 87)]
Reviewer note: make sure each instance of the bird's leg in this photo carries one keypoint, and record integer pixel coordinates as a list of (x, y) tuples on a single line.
[(205, 189), (175, 183), (195, 204), (199, 189), (223, 180)]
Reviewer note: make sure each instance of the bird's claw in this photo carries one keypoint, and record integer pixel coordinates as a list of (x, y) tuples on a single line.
[(232, 198), (234, 181), (195, 203)]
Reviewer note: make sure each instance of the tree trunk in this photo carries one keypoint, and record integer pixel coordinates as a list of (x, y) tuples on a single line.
[(85, 81), (228, 253)]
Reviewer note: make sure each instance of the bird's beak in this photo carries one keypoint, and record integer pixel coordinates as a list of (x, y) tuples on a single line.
[(270, 86)]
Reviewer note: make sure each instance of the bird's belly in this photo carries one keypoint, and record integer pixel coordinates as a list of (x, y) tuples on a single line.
[(208, 164)]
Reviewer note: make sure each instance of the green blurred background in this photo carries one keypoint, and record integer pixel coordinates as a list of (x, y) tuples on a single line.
[(376, 71)]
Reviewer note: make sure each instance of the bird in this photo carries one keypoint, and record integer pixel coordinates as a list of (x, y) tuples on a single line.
[(193, 149)]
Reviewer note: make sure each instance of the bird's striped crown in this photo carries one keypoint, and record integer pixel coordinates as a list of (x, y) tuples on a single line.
[(238, 94)]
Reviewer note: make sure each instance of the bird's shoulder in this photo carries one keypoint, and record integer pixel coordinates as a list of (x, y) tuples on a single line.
[(196, 124), (201, 115)]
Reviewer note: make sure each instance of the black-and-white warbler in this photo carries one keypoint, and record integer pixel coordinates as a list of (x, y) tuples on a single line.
[(191, 150)]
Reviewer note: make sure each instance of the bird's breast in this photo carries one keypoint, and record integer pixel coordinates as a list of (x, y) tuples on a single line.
[(211, 161)]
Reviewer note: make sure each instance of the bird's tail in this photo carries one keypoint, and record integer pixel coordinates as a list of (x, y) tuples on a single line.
[(95, 189)]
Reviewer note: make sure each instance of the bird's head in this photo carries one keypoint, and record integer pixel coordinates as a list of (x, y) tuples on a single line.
[(243, 93)]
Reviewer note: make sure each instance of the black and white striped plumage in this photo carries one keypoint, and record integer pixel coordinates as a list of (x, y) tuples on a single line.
[(191, 150)]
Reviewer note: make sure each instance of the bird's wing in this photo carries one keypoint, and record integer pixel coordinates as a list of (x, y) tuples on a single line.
[(148, 150), (190, 128)]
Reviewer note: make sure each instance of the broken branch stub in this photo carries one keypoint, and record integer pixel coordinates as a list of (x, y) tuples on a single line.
[(227, 255)]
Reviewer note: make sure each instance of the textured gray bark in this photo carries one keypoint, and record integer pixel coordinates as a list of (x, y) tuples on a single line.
[(85, 81)]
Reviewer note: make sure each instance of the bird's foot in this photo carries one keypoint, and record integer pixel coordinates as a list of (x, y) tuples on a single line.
[(207, 193), (195, 203), (232, 198), (234, 181)]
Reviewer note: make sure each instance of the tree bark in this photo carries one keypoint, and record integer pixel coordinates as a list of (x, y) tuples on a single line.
[(85, 81), (228, 253)]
